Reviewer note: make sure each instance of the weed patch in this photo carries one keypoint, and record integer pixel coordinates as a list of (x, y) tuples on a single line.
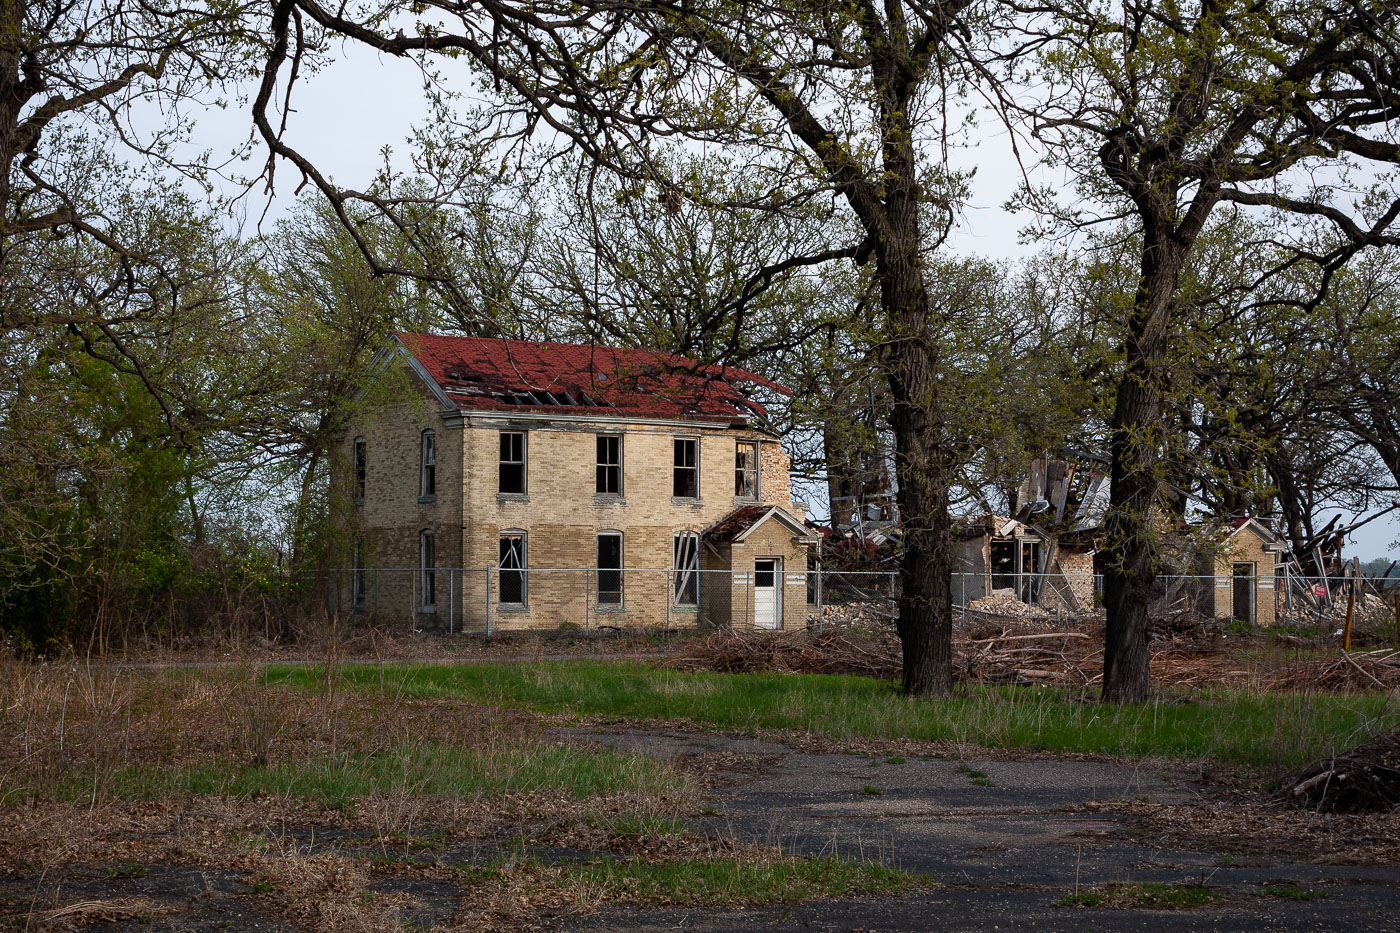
[(1155, 895), (1253, 730)]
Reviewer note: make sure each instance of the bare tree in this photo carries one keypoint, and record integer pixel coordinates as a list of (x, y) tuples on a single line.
[(835, 99), (1161, 112)]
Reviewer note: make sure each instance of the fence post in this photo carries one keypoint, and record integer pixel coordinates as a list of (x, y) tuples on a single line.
[(1351, 605), (820, 619), (587, 600), (488, 602), (667, 588), (1397, 614)]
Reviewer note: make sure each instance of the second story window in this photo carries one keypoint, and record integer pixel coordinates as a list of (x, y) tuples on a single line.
[(512, 462), (685, 477), (360, 468), (746, 470), (427, 465), (609, 481)]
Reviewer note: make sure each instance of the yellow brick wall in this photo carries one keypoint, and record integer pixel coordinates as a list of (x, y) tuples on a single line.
[(560, 515)]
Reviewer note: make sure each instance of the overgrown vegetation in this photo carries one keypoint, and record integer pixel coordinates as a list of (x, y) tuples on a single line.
[(1255, 731)]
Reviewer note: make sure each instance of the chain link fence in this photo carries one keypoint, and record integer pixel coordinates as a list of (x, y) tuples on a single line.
[(489, 600)]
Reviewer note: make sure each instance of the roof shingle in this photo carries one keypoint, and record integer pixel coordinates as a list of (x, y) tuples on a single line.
[(491, 374)]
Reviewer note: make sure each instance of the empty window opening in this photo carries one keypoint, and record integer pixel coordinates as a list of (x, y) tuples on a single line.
[(512, 570), (512, 478), (610, 569), (1242, 607), (360, 468), (609, 479), (746, 470), (427, 460), (427, 570), (685, 478), (686, 547), (357, 575)]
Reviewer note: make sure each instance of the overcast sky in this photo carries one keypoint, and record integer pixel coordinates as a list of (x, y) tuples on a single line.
[(344, 116)]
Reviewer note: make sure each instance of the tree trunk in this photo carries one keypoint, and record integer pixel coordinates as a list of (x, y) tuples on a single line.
[(925, 605), (1133, 446)]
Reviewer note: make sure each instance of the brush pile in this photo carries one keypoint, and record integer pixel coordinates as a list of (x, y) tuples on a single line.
[(1363, 780), (834, 651), (1351, 670)]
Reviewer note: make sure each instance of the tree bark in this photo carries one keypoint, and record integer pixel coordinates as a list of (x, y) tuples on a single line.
[(1133, 447)]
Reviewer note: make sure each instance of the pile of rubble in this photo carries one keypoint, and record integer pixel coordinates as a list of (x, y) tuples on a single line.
[(1365, 779)]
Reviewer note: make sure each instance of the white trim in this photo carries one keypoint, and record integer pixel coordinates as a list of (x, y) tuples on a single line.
[(422, 372)]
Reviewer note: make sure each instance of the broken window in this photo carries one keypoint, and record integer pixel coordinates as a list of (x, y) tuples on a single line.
[(427, 465), (609, 480), (746, 470), (686, 547), (685, 478), (357, 575), (512, 569), (512, 462), (427, 569), (360, 469), (610, 568)]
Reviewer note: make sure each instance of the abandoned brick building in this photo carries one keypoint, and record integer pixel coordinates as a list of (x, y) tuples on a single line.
[(517, 484)]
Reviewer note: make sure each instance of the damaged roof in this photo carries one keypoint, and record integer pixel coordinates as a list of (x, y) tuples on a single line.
[(493, 374), (740, 523)]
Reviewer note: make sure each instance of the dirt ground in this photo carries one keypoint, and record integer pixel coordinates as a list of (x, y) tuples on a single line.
[(1001, 838)]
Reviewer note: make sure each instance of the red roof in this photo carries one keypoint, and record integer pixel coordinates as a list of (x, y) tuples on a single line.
[(736, 522), (490, 374)]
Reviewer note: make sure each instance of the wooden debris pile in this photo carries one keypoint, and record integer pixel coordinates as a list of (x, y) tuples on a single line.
[(1351, 670), (834, 651), (1365, 779)]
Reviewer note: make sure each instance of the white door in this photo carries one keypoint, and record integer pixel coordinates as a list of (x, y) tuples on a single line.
[(768, 593)]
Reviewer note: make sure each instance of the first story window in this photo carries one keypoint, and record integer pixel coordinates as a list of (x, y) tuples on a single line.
[(512, 477), (427, 569), (686, 564), (357, 576), (360, 468), (610, 569), (512, 569), (609, 479), (685, 475), (746, 470), (427, 464)]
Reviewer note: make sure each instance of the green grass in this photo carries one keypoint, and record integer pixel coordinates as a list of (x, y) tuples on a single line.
[(409, 769), (1252, 730), (728, 881)]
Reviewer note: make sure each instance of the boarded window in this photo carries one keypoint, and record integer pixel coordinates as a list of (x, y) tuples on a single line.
[(609, 480), (512, 572), (686, 586), (427, 465), (610, 569), (685, 477), (427, 569), (746, 470), (512, 462)]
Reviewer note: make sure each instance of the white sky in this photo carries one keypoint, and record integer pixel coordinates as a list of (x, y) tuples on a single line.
[(344, 116)]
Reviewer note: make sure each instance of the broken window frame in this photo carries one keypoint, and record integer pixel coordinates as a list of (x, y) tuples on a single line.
[(360, 458), (685, 569), (358, 589), (746, 474), (608, 593), (680, 470), (427, 463), (510, 461), (513, 565), (608, 478), (427, 571)]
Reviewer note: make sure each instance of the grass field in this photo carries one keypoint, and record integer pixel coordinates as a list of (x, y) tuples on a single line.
[(1251, 731)]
